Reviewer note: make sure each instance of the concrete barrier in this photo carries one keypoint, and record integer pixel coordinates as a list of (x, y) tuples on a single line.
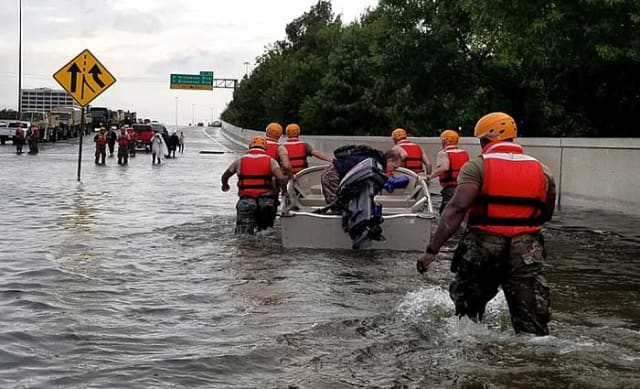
[(597, 173)]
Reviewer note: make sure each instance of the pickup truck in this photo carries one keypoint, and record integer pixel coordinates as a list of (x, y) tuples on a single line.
[(5, 132), (9, 131)]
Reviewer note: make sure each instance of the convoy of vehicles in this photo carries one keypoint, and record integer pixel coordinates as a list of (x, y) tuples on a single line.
[(65, 122)]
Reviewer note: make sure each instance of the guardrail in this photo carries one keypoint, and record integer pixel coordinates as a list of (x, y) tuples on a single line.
[(597, 173)]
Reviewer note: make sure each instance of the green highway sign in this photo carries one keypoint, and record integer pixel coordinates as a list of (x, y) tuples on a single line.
[(202, 81)]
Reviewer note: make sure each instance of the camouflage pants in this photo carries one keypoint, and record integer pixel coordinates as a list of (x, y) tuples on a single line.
[(447, 194), (330, 181), (484, 262), (255, 213)]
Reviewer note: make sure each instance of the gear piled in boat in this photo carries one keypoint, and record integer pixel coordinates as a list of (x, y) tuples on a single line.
[(361, 215)]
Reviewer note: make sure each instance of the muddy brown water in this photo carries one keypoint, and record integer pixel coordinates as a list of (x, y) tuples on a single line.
[(133, 279)]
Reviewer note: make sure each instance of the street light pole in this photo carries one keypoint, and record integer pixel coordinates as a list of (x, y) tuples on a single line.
[(246, 68), (20, 62), (176, 111)]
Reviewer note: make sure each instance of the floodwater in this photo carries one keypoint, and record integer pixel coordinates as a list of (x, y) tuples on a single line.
[(134, 279)]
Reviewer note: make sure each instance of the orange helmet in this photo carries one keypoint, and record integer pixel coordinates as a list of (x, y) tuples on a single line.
[(496, 126), (274, 130), (258, 141), (293, 130), (398, 134), (449, 137)]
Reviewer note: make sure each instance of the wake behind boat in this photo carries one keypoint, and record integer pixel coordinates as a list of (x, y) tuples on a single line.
[(401, 219)]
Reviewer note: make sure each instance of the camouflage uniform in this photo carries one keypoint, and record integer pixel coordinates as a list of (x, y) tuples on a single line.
[(447, 194), (483, 262), (255, 213)]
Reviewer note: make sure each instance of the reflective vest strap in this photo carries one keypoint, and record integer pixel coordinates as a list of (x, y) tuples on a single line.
[(484, 200)]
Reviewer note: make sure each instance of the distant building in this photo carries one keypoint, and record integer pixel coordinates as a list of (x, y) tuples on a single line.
[(44, 99)]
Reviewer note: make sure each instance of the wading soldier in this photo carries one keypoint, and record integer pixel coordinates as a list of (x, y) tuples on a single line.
[(449, 162), (101, 146), (413, 157), (507, 196), (257, 203)]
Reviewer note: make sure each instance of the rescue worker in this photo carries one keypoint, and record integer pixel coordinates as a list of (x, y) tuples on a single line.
[(131, 132), (100, 139), (19, 139), (448, 164), (275, 150), (34, 139), (507, 195), (123, 147), (299, 151), (111, 139), (412, 155), (257, 203)]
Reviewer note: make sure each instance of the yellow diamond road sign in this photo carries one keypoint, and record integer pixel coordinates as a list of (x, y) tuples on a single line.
[(84, 78)]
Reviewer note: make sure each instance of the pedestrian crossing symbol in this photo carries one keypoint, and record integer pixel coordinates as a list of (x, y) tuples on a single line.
[(84, 78)]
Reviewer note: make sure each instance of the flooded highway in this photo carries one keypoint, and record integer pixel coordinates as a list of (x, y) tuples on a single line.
[(134, 279)]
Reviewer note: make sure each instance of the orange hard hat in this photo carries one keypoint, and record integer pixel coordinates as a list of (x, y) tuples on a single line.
[(496, 126), (293, 130), (258, 141), (274, 130), (398, 134), (449, 137)]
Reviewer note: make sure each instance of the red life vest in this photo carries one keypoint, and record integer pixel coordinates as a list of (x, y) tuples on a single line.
[(132, 136), (297, 151), (123, 140), (102, 140), (414, 156), (254, 177), (272, 149), (457, 159), (513, 194), (19, 133)]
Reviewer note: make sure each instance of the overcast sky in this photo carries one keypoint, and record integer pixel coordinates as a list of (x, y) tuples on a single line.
[(141, 42)]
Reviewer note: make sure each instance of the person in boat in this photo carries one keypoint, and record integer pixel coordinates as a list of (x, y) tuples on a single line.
[(346, 157), (448, 164), (507, 196), (257, 204), (275, 150), (413, 157), (298, 151)]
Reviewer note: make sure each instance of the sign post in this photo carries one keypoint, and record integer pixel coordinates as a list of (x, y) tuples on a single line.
[(82, 124), (84, 78)]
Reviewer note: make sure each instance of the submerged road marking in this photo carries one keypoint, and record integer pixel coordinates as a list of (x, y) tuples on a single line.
[(204, 131)]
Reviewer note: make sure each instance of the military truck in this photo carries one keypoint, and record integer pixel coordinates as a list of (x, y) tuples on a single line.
[(40, 120), (64, 122)]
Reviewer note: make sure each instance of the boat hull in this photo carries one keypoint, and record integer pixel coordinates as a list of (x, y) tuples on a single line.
[(402, 232)]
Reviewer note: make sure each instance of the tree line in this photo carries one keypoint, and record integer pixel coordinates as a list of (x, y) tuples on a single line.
[(568, 68)]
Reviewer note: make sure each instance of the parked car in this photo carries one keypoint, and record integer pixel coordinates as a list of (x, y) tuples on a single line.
[(217, 123)]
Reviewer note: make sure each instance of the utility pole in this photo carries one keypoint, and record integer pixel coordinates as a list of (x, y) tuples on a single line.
[(20, 62)]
